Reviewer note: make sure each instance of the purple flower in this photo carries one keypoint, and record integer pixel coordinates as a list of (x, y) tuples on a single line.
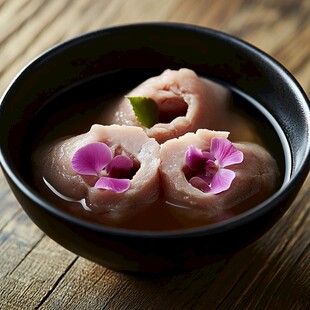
[(208, 168), (96, 159)]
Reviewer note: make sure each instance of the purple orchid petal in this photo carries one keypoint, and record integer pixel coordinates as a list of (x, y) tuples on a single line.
[(208, 155), (194, 158), (224, 151), (119, 165), (91, 158), (115, 185), (206, 178), (221, 181), (200, 184), (210, 167)]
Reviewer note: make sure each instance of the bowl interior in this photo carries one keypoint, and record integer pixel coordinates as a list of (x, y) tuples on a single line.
[(136, 52)]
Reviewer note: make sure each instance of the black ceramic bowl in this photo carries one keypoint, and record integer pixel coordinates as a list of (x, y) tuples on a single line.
[(143, 50)]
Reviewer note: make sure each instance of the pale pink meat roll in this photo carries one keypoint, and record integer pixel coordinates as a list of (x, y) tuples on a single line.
[(186, 103), (54, 164), (257, 172)]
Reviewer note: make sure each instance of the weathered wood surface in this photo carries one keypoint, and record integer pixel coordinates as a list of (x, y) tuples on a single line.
[(35, 272)]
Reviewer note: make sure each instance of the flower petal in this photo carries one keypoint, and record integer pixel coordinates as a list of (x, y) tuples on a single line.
[(91, 158), (200, 184), (115, 185), (225, 152), (194, 158), (210, 167), (221, 181), (119, 166)]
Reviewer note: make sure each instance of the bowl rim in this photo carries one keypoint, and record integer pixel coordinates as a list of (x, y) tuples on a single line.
[(236, 221)]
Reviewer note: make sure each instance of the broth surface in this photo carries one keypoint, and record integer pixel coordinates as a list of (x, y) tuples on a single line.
[(75, 110)]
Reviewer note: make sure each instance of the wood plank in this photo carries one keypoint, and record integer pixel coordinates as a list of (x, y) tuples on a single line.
[(8, 206), (294, 54), (112, 290), (85, 279), (32, 276), (18, 238), (23, 40), (20, 17), (9, 10)]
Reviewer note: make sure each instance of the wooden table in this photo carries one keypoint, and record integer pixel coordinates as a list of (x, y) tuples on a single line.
[(35, 272)]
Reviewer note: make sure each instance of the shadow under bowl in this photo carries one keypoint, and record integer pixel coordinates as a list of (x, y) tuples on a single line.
[(145, 49)]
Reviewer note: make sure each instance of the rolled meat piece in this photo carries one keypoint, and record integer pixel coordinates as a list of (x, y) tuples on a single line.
[(54, 163), (185, 101), (256, 174)]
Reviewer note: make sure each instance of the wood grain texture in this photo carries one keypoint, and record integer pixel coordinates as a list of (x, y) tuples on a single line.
[(37, 273)]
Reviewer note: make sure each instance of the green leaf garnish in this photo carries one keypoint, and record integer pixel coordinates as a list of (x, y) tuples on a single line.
[(146, 110)]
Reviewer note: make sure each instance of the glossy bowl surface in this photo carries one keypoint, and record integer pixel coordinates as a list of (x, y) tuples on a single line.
[(141, 49)]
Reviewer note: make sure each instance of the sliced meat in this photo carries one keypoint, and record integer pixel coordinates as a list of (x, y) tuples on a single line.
[(185, 101), (258, 172), (53, 163)]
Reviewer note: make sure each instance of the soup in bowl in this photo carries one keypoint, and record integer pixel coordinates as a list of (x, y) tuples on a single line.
[(155, 147)]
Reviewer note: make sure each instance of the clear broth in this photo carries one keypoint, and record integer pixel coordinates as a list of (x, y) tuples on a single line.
[(73, 111)]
